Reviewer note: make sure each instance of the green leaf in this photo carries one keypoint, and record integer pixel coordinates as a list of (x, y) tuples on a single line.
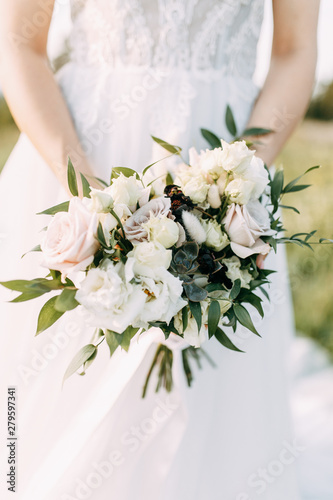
[(244, 318), (214, 316), (112, 341), (287, 188), (62, 207), (71, 179), (211, 138), (230, 121), (299, 187), (195, 308), (127, 172), (185, 317), (276, 188), (256, 131), (175, 150), (85, 186), (101, 236), (89, 362), (27, 296), (16, 285), (169, 179), (42, 285), (145, 170), (225, 341), (255, 301), (126, 337), (235, 289), (66, 301), (290, 208), (79, 359), (48, 315), (35, 249)]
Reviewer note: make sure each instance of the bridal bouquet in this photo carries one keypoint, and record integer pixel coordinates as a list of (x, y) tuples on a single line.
[(185, 261)]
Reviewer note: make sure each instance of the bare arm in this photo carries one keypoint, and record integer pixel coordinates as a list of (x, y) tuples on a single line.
[(30, 88), (288, 87)]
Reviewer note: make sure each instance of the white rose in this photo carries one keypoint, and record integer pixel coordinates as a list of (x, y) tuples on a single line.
[(162, 230), (113, 301), (244, 226), (236, 157), (149, 256), (235, 272), (101, 200), (240, 191), (133, 227), (164, 297), (215, 238), (258, 175), (70, 243), (126, 190)]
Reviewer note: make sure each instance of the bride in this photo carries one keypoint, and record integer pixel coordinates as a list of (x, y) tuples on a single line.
[(136, 68)]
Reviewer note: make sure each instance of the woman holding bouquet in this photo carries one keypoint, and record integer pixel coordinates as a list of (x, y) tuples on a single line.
[(135, 69)]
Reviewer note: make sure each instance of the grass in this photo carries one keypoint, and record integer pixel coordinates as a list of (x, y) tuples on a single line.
[(311, 272)]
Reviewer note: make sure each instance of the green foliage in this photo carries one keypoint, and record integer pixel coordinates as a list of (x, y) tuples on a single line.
[(321, 107)]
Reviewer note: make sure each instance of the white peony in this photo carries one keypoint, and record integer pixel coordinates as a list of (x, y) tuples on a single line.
[(108, 294), (193, 183), (149, 256), (235, 272), (211, 162), (162, 230), (215, 237)]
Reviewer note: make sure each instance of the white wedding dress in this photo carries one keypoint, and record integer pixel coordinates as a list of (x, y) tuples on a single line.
[(142, 67)]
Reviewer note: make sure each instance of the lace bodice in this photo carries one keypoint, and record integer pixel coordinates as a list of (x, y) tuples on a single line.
[(201, 36)]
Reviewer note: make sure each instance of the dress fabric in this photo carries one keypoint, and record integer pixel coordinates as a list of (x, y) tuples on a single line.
[(139, 68)]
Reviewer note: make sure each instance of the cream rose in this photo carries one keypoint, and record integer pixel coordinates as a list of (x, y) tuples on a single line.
[(126, 190), (162, 230), (215, 238), (240, 191), (148, 256), (70, 243), (245, 225), (157, 207)]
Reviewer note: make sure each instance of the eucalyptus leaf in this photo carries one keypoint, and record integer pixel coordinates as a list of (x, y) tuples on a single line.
[(89, 362), (175, 150), (112, 341), (225, 341), (62, 207), (256, 131), (71, 178), (66, 301), (230, 121), (79, 359), (27, 296), (214, 316), (235, 289), (127, 172), (85, 186), (244, 318), (48, 315), (195, 308), (211, 138)]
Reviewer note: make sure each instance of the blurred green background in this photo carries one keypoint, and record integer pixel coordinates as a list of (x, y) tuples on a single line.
[(311, 273)]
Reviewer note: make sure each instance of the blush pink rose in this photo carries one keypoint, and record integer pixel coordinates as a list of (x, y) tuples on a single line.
[(245, 224), (70, 242)]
